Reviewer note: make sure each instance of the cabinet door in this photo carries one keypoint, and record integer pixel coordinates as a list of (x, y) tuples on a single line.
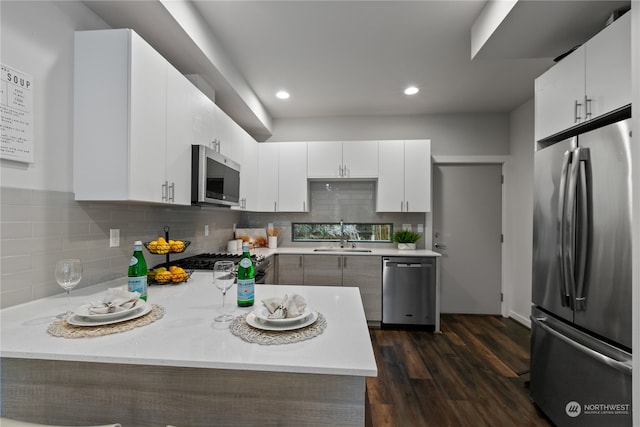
[(290, 270), (324, 159), (417, 176), (249, 173), (390, 195), (181, 93), (148, 101), (225, 133), (360, 159), (292, 177), (323, 270), (268, 154), (204, 120), (365, 272), (608, 68), (556, 94)]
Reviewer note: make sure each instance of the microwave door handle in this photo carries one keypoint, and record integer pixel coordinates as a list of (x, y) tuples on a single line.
[(583, 212), (564, 294)]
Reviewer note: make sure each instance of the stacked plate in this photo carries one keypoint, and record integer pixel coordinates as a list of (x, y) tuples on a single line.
[(82, 316), (259, 318)]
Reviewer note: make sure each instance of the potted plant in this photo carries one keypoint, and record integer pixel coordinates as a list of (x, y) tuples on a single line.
[(406, 239)]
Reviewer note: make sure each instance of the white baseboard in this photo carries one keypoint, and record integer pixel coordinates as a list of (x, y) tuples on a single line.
[(520, 319)]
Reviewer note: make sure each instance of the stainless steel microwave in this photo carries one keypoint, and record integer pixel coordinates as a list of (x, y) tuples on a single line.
[(215, 179)]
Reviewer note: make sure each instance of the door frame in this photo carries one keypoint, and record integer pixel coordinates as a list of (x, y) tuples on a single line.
[(479, 160)]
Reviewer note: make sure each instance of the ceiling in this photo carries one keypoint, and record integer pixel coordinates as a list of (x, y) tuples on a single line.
[(354, 58)]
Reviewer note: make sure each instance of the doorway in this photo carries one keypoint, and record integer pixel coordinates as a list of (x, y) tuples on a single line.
[(467, 231)]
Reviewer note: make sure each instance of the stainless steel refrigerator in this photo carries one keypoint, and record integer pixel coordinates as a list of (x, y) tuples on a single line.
[(581, 314)]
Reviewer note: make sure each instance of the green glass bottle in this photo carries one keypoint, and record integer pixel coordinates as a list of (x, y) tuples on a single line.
[(246, 278), (138, 271)]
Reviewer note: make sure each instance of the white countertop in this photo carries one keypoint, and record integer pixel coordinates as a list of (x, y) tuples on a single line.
[(373, 251), (187, 336)]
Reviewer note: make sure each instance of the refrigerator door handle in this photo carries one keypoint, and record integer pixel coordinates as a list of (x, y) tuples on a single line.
[(583, 212), (564, 293), (569, 228), (623, 366)]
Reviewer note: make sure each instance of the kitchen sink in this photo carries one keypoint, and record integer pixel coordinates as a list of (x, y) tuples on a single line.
[(341, 250)]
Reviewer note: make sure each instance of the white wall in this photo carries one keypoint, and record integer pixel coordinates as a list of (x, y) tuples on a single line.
[(37, 39), (461, 134), (518, 221)]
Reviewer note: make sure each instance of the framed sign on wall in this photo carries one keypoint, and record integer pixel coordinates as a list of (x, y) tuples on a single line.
[(16, 115)]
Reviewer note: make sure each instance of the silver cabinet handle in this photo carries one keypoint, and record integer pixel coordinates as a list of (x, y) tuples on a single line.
[(172, 192), (587, 107), (576, 111), (164, 191), (407, 206), (275, 207)]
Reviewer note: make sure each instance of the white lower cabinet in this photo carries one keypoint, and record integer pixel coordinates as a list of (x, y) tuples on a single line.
[(404, 176), (362, 271)]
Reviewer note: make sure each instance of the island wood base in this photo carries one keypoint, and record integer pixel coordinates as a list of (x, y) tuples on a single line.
[(63, 392)]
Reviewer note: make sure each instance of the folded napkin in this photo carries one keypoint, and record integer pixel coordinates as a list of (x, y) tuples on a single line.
[(287, 307), (116, 300)]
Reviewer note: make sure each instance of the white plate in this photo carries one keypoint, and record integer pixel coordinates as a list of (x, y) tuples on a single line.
[(139, 311), (252, 320), (262, 313), (84, 311)]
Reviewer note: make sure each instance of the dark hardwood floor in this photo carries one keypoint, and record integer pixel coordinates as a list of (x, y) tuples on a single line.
[(471, 374)]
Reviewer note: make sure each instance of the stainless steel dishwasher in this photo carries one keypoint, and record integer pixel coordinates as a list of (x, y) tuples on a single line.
[(409, 286)]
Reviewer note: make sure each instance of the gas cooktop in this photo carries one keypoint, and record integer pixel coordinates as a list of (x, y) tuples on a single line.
[(206, 261)]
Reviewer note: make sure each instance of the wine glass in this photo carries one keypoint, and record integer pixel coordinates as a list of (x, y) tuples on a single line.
[(223, 278), (68, 275)]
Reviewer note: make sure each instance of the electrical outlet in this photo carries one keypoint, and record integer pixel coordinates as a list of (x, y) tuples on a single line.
[(206, 229), (420, 228), (114, 238)]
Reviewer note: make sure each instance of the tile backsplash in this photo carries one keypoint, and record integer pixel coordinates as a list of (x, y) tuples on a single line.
[(37, 228), (40, 227), (331, 201)]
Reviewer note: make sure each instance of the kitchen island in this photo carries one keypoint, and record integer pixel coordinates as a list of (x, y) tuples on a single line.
[(184, 369)]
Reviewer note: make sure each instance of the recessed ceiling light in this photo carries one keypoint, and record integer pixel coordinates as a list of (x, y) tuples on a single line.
[(283, 94), (411, 90)]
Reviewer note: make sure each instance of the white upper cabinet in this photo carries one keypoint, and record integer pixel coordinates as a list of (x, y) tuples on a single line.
[(608, 65), (182, 94), (404, 181), (591, 81), (292, 177), (204, 117), (249, 173), (282, 177), (121, 128), (268, 154), (348, 159)]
